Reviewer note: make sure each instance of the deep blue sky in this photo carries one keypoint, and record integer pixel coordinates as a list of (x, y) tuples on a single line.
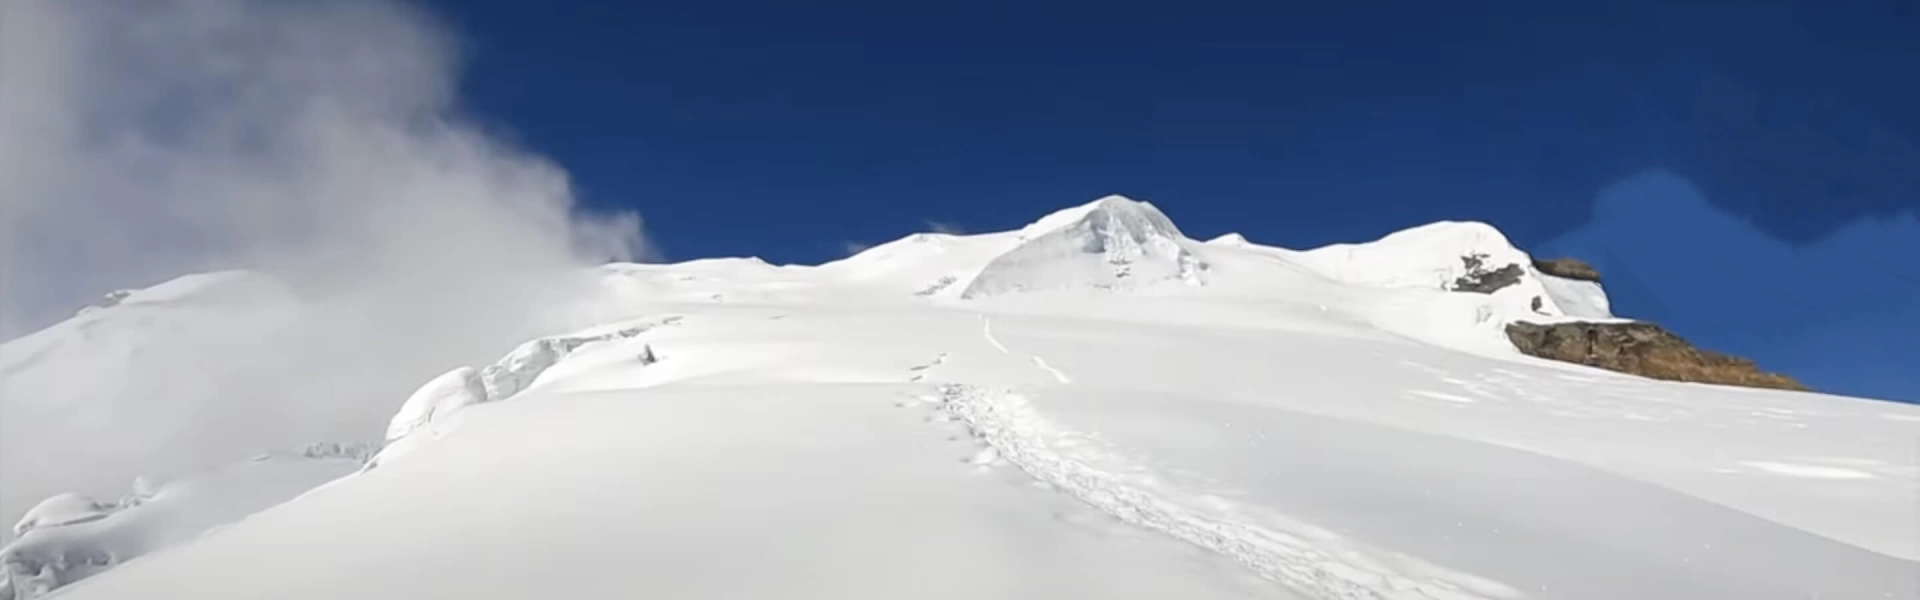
[(791, 130)]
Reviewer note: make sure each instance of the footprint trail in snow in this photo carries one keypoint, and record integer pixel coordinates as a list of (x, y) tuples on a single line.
[(1011, 431)]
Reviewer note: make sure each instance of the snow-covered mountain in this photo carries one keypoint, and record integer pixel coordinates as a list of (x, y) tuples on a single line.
[(1092, 406)]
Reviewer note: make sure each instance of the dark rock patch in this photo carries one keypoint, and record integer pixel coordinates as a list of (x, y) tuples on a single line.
[(1569, 268), (1643, 349), (1483, 280)]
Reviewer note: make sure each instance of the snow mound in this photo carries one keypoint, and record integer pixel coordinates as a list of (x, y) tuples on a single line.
[(1459, 256), (1428, 256), (70, 537), (1111, 243), (1455, 284)]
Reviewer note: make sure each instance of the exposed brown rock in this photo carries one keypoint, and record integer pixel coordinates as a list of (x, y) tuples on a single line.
[(1482, 280), (1569, 268), (1643, 349)]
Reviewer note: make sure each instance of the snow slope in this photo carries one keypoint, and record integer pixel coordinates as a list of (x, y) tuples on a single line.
[(212, 369), (70, 537), (115, 375), (1005, 416)]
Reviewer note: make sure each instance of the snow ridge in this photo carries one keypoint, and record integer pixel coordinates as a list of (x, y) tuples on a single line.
[(517, 371), (461, 387), (1013, 432)]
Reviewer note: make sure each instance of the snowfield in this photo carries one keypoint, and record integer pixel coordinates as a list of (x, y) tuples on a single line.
[(1094, 406)]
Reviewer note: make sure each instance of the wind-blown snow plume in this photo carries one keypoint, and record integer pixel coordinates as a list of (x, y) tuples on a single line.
[(320, 143)]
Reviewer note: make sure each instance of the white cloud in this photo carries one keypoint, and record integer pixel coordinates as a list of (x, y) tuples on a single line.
[(321, 142)]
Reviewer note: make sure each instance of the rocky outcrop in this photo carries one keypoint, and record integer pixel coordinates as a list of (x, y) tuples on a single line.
[(1568, 268), (1643, 349), (1482, 279)]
